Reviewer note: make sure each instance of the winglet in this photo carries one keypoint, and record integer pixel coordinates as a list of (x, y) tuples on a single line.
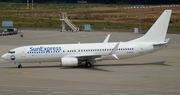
[(115, 56), (106, 39), (114, 51)]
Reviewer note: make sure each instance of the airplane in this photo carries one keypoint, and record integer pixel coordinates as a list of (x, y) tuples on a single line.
[(89, 53)]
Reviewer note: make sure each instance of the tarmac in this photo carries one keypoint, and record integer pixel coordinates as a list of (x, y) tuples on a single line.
[(152, 74)]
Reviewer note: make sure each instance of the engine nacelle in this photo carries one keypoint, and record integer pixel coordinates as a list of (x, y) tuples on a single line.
[(69, 61)]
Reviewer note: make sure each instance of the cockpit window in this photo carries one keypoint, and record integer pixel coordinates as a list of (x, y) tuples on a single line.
[(11, 52)]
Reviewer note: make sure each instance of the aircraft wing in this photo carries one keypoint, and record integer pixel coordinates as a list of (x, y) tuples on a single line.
[(84, 57), (88, 57)]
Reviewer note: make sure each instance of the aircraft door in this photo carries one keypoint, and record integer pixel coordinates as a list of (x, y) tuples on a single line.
[(23, 52), (141, 50)]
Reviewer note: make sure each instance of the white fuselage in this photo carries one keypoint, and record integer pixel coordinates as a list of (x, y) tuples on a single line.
[(54, 52)]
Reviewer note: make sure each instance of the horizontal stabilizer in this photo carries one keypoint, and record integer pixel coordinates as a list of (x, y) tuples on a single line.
[(167, 40), (162, 43)]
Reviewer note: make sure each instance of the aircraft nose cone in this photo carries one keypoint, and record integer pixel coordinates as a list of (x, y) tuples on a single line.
[(4, 56)]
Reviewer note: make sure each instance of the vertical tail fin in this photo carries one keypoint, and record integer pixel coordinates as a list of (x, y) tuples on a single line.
[(158, 30)]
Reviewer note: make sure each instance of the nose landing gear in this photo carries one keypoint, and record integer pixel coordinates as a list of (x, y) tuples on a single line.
[(19, 66)]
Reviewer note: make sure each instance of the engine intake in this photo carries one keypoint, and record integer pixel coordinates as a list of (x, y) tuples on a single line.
[(69, 61)]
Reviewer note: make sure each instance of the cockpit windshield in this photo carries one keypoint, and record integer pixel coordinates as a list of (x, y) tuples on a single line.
[(11, 52)]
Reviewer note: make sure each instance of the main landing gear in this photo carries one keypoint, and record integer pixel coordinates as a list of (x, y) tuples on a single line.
[(88, 64), (19, 66)]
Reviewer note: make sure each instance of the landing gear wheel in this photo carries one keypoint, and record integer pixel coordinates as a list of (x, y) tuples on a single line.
[(88, 65), (20, 66)]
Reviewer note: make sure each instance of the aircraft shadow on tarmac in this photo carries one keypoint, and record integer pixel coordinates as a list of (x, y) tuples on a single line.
[(139, 64), (161, 63), (82, 66), (40, 66)]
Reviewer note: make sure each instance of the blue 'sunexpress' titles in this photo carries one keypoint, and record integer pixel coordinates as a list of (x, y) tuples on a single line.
[(41, 48)]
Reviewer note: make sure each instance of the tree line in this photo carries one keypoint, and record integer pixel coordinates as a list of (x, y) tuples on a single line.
[(100, 1)]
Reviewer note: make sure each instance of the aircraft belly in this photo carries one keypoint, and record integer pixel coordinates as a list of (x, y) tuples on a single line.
[(43, 59)]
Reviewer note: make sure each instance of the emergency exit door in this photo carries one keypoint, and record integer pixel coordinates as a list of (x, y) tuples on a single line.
[(23, 52)]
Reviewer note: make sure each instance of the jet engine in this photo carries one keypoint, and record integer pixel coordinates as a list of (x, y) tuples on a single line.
[(69, 61)]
